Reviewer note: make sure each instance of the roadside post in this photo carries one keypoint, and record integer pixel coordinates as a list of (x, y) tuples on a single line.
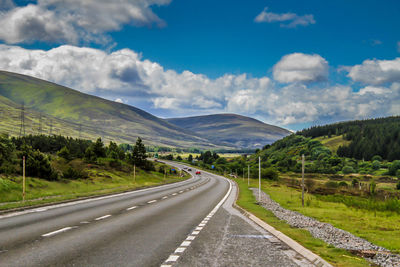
[(248, 175), (23, 178), (259, 179), (302, 180)]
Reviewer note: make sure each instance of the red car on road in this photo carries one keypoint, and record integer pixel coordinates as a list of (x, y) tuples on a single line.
[(198, 172)]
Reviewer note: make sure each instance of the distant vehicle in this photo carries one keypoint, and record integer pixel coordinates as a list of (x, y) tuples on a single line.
[(190, 170), (198, 172)]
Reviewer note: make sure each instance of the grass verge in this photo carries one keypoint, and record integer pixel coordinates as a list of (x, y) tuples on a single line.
[(335, 256), (100, 182)]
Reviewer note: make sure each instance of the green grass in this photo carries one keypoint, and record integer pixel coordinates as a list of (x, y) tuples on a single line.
[(337, 257), (333, 143), (39, 191), (379, 227)]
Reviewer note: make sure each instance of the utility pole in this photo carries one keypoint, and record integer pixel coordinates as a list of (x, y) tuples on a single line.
[(23, 178), (259, 179), (302, 180), (248, 175)]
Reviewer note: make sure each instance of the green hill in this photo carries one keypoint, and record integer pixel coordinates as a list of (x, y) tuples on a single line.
[(232, 129), (51, 108)]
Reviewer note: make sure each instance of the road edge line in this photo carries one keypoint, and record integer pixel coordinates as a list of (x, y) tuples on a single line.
[(306, 253)]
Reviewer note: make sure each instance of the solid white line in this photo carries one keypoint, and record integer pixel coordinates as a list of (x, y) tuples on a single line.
[(131, 208), (72, 203), (103, 217), (151, 201), (57, 232)]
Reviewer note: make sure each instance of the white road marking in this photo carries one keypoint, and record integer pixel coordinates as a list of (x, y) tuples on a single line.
[(174, 194), (172, 258), (57, 232), (103, 217), (191, 237), (202, 224), (151, 201), (84, 222), (91, 199), (131, 208), (165, 197), (195, 232), (166, 265), (185, 243), (199, 228), (180, 250), (180, 192)]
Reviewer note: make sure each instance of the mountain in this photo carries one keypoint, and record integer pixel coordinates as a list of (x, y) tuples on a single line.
[(232, 129), (55, 109)]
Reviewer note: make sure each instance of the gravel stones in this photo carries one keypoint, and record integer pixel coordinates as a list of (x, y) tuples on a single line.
[(330, 234)]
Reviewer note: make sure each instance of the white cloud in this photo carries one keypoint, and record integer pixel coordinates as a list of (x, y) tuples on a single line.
[(124, 75), (73, 21), (119, 100), (298, 67), (376, 72), (289, 20)]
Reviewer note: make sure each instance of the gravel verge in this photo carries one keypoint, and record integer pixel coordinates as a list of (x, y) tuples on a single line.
[(330, 234)]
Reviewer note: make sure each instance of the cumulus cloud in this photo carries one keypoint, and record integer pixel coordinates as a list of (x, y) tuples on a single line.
[(123, 75), (298, 67), (376, 72), (73, 21), (289, 20)]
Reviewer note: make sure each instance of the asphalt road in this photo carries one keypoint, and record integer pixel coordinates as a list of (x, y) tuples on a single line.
[(177, 224), (134, 229)]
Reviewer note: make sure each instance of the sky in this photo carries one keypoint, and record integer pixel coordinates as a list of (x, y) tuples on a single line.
[(291, 63)]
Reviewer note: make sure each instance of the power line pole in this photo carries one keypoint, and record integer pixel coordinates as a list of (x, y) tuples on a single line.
[(259, 179), (302, 180), (248, 175)]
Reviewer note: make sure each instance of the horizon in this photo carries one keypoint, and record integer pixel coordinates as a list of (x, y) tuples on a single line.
[(289, 64)]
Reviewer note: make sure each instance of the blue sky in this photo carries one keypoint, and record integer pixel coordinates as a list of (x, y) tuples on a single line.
[(290, 63)]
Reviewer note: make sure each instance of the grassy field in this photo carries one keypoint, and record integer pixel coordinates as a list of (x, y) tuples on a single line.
[(337, 257), (379, 227), (100, 181), (333, 143)]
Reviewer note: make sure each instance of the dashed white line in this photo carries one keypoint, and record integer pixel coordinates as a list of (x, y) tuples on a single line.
[(131, 208), (57, 232), (172, 258), (180, 192), (195, 232), (103, 217), (180, 250), (164, 197), (191, 237), (174, 194), (84, 222), (185, 243), (151, 201)]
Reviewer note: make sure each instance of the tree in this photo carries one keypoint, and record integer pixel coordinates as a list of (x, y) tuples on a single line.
[(64, 153), (190, 158), (98, 148), (138, 156)]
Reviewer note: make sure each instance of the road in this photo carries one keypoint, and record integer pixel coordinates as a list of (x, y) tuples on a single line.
[(150, 227)]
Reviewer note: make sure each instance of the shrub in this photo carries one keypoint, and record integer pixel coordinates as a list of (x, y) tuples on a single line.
[(269, 173), (377, 157), (64, 153), (72, 173), (376, 165), (348, 169), (331, 184), (309, 183), (343, 184), (394, 167), (354, 182), (398, 185)]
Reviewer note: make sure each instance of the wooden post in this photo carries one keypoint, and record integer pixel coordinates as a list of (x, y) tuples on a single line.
[(165, 174), (259, 179), (248, 175), (243, 173), (302, 180), (23, 178)]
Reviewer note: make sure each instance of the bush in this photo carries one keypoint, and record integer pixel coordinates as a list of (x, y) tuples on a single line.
[(38, 165), (394, 167), (64, 153), (72, 173), (376, 165), (348, 169), (354, 182), (398, 185), (309, 183), (269, 173), (377, 157), (343, 184), (332, 184)]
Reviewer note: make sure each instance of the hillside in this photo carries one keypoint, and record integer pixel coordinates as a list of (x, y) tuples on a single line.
[(51, 108), (363, 138), (232, 129)]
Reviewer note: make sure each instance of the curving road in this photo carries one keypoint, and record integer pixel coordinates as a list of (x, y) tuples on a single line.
[(151, 227)]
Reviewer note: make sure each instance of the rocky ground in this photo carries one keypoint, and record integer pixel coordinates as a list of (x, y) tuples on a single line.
[(331, 235)]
